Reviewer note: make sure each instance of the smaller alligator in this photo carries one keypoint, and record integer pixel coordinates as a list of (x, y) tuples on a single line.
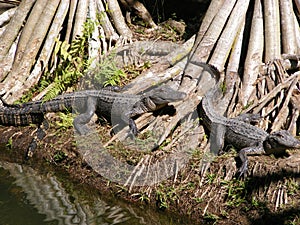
[(248, 138), (102, 102)]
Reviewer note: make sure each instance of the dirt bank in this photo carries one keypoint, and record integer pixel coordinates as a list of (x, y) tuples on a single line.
[(270, 194)]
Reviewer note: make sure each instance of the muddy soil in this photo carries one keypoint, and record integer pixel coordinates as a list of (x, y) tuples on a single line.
[(270, 194)]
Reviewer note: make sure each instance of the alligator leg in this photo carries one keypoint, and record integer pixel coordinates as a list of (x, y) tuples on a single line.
[(216, 139), (39, 135), (133, 127), (81, 120), (256, 150)]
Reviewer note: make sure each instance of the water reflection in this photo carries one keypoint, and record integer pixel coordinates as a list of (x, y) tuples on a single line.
[(28, 197)]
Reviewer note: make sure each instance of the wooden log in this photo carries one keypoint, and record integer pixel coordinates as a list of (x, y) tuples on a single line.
[(49, 43), (80, 18), (288, 36), (229, 34), (28, 30), (12, 30), (119, 21), (14, 86), (272, 30)]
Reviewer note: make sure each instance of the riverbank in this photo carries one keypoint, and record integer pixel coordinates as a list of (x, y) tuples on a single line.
[(270, 193)]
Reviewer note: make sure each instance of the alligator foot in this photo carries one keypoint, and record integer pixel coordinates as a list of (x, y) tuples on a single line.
[(256, 150), (39, 135), (80, 122), (133, 128), (242, 172)]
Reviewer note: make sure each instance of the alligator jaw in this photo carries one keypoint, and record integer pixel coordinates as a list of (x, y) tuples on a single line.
[(279, 141)]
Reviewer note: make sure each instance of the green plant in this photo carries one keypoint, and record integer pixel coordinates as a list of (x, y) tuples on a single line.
[(293, 220), (211, 177), (198, 200), (223, 87), (236, 192), (143, 197), (292, 186), (211, 218), (66, 121), (72, 64), (161, 198), (59, 156), (107, 73), (164, 195), (9, 143)]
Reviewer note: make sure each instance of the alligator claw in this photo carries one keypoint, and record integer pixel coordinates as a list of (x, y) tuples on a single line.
[(242, 172)]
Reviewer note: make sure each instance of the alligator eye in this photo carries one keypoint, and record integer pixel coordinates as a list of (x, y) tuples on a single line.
[(279, 135)]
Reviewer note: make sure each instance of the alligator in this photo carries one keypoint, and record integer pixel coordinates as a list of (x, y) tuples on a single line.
[(103, 102), (239, 132)]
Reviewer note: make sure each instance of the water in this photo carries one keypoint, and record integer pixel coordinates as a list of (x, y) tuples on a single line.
[(30, 197)]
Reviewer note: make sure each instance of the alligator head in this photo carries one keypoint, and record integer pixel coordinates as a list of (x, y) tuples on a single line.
[(279, 141), (163, 95)]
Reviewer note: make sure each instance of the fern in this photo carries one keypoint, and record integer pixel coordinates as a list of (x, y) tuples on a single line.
[(73, 64), (107, 73)]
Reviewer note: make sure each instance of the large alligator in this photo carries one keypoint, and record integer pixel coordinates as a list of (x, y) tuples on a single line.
[(247, 138), (104, 102)]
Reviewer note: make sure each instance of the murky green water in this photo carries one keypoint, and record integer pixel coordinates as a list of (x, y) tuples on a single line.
[(29, 197)]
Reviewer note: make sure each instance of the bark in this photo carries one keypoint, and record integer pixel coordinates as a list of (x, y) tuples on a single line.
[(28, 30), (232, 79), (80, 18), (12, 30), (94, 42), (48, 46), (105, 22), (119, 21), (30, 53), (72, 11), (254, 54), (215, 29), (203, 50), (272, 30), (211, 12), (288, 37), (141, 11), (6, 16), (228, 36), (283, 113)]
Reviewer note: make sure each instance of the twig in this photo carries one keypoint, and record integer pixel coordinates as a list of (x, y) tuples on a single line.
[(265, 99), (284, 111)]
